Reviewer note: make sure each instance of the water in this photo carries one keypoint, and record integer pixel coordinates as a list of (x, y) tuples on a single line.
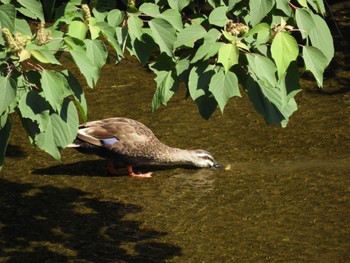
[(286, 197)]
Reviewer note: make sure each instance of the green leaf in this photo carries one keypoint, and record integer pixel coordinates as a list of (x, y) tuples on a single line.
[(78, 93), (135, 25), (86, 67), (94, 30), (183, 69), (77, 29), (100, 16), (35, 108), (218, 16), (224, 86), (97, 52), (318, 6), (149, 9), (261, 104), (74, 44), (259, 9), (60, 131), (303, 3), (284, 6), (206, 51), (5, 132), (115, 17), (316, 62), (65, 125), (32, 9), (212, 35), (42, 54), (198, 86), (173, 17), (263, 33), (110, 34), (263, 68), (163, 34), (166, 79), (7, 93), (304, 21), (178, 4), (284, 49), (54, 88), (321, 37), (7, 17), (228, 55), (189, 35), (23, 27)]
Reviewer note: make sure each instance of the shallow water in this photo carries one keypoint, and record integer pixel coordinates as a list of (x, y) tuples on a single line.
[(286, 197)]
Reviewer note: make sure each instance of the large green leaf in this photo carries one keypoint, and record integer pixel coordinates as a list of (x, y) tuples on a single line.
[(318, 6), (304, 21), (189, 35), (86, 67), (178, 4), (77, 29), (7, 17), (228, 55), (284, 6), (23, 27), (135, 25), (78, 93), (321, 37), (5, 131), (207, 50), (218, 16), (163, 34), (262, 31), (149, 9), (60, 131), (141, 49), (284, 49), (261, 103), (173, 17), (32, 9), (7, 93), (115, 17), (275, 102), (263, 68), (42, 54), (259, 9), (166, 79), (97, 52), (316, 62), (224, 86), (198, 86), (54, 88), (110, 34), (35, 108)]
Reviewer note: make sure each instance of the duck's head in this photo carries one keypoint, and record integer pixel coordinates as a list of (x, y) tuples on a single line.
[(202, 158)]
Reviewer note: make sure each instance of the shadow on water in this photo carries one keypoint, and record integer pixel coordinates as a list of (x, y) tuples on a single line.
[(14, 151), (99, 167), (53, 224)]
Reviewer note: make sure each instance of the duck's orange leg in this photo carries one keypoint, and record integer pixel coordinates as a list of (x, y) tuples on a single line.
[(132, 174)]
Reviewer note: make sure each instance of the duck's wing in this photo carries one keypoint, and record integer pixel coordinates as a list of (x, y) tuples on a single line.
[(120, 135)]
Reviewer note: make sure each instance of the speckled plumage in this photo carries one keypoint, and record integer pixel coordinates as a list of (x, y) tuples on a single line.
[(129, 142)]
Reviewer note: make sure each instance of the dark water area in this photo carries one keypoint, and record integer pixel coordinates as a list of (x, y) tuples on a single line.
[(285, 198)]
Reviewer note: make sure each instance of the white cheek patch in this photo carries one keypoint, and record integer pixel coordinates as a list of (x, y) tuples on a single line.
[(109, 141)]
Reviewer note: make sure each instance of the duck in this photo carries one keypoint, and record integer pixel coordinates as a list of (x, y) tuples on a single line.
[(130, 143)]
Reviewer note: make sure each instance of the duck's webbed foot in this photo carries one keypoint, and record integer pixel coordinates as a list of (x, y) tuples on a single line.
[(140, 175)]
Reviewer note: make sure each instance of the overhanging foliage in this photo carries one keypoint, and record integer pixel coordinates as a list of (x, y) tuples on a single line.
[(212, 46)]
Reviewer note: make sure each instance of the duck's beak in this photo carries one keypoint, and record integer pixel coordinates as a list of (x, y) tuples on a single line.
[(217, 165)]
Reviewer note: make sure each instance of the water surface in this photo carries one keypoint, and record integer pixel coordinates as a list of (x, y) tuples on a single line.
[(286, 197)]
